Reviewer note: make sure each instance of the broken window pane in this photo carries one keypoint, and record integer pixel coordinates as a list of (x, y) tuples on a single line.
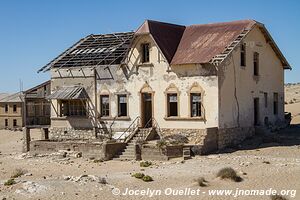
[(73, 108), (195, 105), (104, 102)]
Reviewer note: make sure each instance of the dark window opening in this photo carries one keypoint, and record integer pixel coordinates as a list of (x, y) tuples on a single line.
[(196, 105), (275, 103), (266, 99), (104, 105), (256, 111), (172, 105), (73, 108), (256, 63), (145, 53), (122, 105), (243, 54), (14, 108), (6, 108), (6, 123), (14, 122)]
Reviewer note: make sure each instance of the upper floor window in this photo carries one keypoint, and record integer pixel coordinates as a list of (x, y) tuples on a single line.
[(14, 108), (256, 64), (172, 105), (145, 53), (195, 99), (6, 108), (104, 105), (275, 103), (266, 99), (122, 105), (243, 54)]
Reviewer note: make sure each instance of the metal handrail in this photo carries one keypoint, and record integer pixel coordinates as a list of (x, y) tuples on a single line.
[(154, 125), (130, 127)]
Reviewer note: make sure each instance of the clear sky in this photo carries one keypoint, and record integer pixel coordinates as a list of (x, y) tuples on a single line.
[(33, 32)]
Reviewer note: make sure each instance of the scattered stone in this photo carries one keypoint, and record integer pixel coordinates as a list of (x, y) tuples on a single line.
[(29, 187)]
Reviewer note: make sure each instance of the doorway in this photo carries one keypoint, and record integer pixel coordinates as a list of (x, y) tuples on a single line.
[(146, 110), (256, 111)]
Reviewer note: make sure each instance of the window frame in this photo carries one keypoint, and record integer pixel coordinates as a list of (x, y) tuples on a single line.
[(118, 106), (101, 106), (168, 94), (275, 103), (6, 108), (144, 58), (15, 108), (6, 123), (255, 64), (70, 108), (243, 54), (15, 123), (191, 104)]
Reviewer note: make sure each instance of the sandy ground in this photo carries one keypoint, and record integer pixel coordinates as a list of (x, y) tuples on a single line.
[(263, 163)]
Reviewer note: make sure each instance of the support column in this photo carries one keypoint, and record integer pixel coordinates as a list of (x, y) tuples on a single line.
[(45, 134), (26, 139)]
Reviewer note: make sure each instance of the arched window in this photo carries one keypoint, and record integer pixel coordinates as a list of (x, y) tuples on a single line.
[(196, 101), (172, 100)]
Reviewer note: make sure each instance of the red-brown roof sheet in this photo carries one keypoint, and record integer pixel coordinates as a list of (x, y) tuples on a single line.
[(200, 43)]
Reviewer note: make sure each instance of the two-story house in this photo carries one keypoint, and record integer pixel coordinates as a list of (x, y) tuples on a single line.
[(213, 83)]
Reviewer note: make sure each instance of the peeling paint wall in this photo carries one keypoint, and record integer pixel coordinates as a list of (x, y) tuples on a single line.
[(239, 111)]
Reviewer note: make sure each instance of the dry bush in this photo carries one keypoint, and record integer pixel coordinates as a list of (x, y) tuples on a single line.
[(10, 182), (145, 163), (278, 197), (201, 182), (138, 175), (177, 139), (229, 173), (18, 172), (147, 178)]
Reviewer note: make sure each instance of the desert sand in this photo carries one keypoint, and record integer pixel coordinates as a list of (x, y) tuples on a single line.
[(262, 162)]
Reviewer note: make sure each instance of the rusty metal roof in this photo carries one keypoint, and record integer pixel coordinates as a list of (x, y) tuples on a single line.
[(200, 43)]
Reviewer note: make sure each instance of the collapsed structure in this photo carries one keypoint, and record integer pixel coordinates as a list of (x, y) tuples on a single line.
[(212, 83)]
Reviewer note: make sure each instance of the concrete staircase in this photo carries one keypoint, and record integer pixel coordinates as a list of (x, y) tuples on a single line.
[(128, 153)]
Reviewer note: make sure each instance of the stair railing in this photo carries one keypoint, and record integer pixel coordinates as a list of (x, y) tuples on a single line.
[(155, 126), (131, 130)]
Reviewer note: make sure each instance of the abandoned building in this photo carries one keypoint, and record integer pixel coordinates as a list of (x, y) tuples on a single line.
[(29, 108), (211, 83), (11, 111)]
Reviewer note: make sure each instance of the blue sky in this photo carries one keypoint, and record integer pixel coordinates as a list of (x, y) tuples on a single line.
[(33, 32)]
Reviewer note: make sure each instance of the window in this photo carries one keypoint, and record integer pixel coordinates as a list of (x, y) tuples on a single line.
[(14, 122), (73, 108), (275, 103), (266, 99), (145, 53), (243, 54), (6, 108), (195, 104), (6, 123), (104, 105), (256, 63), (122, 105), (172, 105), (14, 108)]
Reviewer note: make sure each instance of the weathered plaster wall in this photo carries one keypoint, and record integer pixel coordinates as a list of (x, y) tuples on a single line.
[(10, 115), (156, 76), (234, 77)]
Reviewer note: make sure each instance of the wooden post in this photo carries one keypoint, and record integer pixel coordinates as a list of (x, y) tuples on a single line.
[(26, 139)]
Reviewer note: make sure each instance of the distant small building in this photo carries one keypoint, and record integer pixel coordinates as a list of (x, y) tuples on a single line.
[(11, 114), (29, 108)]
